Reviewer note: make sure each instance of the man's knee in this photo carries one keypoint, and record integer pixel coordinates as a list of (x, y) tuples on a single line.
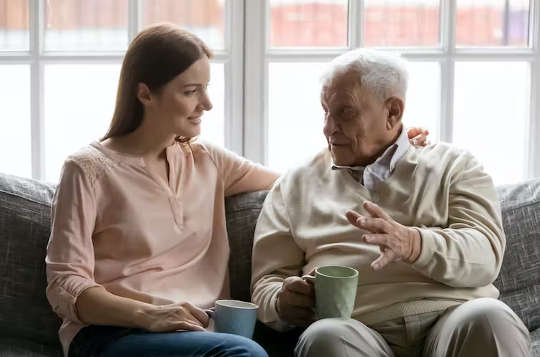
[(338, 337), (321, 338), (486, 314), (486, 326)]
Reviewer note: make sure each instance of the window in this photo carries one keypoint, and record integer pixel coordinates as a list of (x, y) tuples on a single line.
[(474, 73), (60, 62), (471, 63)]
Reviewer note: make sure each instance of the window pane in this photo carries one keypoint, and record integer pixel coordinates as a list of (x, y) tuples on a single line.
[(79, 103), (401, 23), (205, 18), (492, 22), (311, 23), (422, 107), (15, 120), (491, 114), (212, 124), (79, 25), (295, 116), (14, 21)]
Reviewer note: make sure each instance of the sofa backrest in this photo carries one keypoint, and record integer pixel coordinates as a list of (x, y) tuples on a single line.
[(242, 212), (519, 278), (25, 228), (24, 233)]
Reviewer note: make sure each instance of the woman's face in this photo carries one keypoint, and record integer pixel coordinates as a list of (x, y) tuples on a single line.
[(177, 108)]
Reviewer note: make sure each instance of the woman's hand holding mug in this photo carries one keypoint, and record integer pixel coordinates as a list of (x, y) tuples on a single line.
[(173, 317)]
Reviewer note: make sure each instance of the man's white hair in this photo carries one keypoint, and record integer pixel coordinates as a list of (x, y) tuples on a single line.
[(384, 74)]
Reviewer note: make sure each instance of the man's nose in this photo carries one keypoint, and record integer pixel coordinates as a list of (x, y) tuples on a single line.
[(329, 125)]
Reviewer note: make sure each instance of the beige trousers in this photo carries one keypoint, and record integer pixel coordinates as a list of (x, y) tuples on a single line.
[(478, 328)]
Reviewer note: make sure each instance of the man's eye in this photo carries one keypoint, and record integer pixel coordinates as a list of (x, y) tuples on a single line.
[(190, 92), (347, 112)]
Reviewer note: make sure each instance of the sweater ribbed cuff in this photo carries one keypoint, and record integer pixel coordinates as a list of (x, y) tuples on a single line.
[(427, 248)]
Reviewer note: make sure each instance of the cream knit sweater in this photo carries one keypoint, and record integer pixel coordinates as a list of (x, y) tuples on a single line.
[(441, 190)]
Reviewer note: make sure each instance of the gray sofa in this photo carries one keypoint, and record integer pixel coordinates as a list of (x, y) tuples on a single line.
[(28, 327)]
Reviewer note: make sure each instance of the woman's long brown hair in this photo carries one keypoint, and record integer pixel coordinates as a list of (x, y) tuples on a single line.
[(155, 56)]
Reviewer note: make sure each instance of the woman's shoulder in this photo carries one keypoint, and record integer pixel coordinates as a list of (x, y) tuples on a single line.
[(203, 147), (90, 161)]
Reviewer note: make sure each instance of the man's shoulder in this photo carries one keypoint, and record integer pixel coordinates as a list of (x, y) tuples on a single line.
[(443, 152), (314, 167), (445, 158)]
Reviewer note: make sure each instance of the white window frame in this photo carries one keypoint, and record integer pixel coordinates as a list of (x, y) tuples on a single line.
[(259, 55), (37, 59), (246, 61)]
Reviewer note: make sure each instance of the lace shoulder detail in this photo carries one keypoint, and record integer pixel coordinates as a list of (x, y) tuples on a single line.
[(92, 162)]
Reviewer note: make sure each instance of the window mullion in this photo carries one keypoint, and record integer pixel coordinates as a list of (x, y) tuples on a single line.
[(234, 76), (134, 18), (255, 84), (355, 28), (37, 18), (448, 44), (533, 147)]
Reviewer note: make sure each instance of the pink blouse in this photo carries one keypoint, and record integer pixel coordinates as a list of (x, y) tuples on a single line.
[(116, 225)]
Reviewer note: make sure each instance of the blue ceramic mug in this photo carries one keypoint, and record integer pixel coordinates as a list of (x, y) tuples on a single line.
[(234, 316)]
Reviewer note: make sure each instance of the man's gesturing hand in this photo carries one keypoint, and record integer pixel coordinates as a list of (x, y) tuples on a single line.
[(397, 242), (295, 301)]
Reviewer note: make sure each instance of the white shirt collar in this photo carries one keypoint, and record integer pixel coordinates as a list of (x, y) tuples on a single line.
[(385, 164)]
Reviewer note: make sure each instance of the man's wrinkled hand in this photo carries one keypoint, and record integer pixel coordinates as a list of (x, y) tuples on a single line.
[(296, 301), (397, 242)]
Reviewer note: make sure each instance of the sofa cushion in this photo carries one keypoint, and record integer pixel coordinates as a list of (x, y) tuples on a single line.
[(14, 347), (242, 212), (535, 342), (519, 278), (25, 229)]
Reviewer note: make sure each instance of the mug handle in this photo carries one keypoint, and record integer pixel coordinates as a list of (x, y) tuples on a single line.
[(211, 312), (309, 278)]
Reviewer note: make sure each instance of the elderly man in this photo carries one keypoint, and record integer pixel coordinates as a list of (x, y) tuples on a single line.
[(420, 224)]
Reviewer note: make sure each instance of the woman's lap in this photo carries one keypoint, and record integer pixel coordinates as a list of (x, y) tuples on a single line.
[(108, 341)]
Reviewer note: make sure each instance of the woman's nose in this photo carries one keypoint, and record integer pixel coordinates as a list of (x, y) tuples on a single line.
[(205, 103)]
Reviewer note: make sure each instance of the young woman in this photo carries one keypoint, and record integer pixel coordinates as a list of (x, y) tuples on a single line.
[(138, 247)]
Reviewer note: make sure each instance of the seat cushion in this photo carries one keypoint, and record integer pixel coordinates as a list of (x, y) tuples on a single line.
[(25, 228), (23, 348), (519, 278), (535, 342)]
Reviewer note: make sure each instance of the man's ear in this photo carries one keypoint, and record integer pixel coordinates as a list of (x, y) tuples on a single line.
[(143, 93), (394, 106)]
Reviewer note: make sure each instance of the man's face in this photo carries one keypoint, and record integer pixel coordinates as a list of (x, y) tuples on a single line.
[(355, 122)]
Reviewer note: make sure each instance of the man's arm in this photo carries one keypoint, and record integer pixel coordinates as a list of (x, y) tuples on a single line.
[(466, 253), (276, 257), (469, 251)]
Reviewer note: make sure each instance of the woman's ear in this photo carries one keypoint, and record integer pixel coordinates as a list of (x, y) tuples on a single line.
[(394, 106), (143, 93)]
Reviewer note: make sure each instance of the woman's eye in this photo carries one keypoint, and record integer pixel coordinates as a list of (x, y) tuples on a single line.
[(190, 92)]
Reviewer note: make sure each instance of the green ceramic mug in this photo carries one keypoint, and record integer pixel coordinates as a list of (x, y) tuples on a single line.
[(335, 291)]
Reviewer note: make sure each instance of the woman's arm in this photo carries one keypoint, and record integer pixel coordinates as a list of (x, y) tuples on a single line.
[(240, 174), (97, 306)]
